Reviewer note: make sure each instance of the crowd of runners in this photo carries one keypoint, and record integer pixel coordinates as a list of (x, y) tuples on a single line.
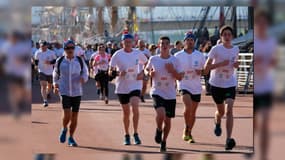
[(65, 69)]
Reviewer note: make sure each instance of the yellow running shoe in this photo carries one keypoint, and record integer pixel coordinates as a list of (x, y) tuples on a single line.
[(191, 139), (185, 135)]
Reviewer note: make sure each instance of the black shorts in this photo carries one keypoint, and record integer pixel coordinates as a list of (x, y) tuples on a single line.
[(262, 101), (168, 104), (194, 97), (125, 98), (101, 74), (71, 102), (44, 77), (221, 94)]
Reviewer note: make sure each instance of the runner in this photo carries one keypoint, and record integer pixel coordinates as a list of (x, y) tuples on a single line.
[(128, 83), (164, 69), (101, 63), (58, 49), (78, 50), (190, 87), (222, 60), (178, 47), (44, 61), (69, 74), (265, 60), (146, 52), (94, 71)]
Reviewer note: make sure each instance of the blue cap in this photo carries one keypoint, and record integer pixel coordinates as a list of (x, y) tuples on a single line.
[(67, 43), (189, 35), (125, 36)]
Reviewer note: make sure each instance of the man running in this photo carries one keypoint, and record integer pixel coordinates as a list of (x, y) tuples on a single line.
[(190, 87), (128, 83), (164, 70), (265, 60), (44, 61), (222, 61), (69, 74), (101, 62), (146, 52)]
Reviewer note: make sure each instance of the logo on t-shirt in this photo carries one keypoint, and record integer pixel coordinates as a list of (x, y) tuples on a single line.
[(196, 63)]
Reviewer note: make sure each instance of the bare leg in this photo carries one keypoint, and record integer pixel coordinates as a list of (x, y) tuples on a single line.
[(126, 117), (73, 124), (135, 107), (229, 114)]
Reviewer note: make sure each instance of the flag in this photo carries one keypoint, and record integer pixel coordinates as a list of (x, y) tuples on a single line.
[(136, 27)]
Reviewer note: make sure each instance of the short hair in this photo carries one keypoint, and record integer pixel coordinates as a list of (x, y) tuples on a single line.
[(262, 13), (164, 38), (177, 42), (226, 27)]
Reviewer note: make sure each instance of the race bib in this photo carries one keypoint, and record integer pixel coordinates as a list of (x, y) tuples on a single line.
[(104, 66), (189, 75), (224, 74), (131, 73), (163, 82)]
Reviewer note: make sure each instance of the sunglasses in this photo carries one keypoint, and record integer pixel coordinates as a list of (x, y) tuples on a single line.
[(67, 48)]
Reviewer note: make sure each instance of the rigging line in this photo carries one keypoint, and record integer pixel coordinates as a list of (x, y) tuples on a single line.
[(196, 20), (179, 23)]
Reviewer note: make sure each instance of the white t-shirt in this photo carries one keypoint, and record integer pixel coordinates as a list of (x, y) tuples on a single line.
[(100, 58), (223, 77), (146, 52), (163, 83), (59, 52), (88, 54), (264, 52), (189, 63), (128, 62), (42, 57)]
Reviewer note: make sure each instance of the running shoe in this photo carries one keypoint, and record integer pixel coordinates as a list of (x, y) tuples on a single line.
[(185, 135), (191, 139), (137, 139), (62, 136), (71, 142), (158, 135), (45, 104), (163, 146), (218, 130), (127, 140), (230, 144)]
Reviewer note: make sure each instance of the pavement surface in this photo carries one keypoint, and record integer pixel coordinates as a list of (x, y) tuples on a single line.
[(100, 129)]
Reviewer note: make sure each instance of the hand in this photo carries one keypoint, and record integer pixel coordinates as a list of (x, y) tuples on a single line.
[(225, 63), (82, 80), (198, 72), (236, 64), (151, 73), (122, 73), (140, 76), (55, 89), (169, 67)]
